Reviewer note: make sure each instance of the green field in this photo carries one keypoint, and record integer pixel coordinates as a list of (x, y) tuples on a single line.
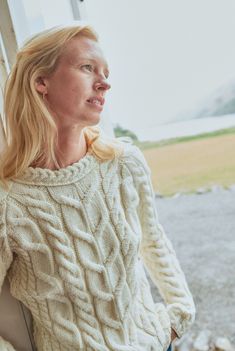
[(188, 163)]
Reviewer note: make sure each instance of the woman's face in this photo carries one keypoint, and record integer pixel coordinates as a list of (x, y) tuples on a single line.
[(76, 90)]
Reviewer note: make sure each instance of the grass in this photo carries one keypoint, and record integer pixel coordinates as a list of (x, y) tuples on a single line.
[(188, 163), (144, 145)]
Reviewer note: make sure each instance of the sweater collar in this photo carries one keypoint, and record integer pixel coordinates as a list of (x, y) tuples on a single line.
[(67, 175)]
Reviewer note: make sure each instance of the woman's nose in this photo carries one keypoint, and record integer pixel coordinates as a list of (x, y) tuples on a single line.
[(102, 85)]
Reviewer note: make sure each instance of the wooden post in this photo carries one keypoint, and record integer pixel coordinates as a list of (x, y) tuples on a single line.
[(7, 32), (8, 49)]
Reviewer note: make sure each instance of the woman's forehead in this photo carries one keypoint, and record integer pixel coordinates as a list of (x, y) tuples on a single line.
[(82, 48)]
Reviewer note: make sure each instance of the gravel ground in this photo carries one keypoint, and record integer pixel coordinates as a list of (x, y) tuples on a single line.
[(202, 230)]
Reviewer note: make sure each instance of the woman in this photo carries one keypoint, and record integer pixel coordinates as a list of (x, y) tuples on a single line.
[(77, 210)]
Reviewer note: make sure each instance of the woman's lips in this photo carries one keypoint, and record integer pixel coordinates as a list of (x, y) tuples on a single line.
[(95, 105), (96, 102)]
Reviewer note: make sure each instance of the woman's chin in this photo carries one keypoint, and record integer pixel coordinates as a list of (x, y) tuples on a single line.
[(95, 119)]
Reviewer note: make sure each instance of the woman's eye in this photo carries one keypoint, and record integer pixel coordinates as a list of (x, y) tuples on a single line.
[(89, 67)]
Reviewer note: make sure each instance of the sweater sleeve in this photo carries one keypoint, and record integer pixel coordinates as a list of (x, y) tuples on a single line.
[(158, 254), (5, 261)]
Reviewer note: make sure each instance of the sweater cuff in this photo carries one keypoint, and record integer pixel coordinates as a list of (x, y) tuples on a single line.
[(181, 319), (164, 319)]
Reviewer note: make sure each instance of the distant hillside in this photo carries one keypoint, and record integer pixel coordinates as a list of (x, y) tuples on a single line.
[(221, 102), (218, 103)]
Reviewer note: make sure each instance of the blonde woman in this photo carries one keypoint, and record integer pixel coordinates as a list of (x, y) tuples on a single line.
[(78, 222)]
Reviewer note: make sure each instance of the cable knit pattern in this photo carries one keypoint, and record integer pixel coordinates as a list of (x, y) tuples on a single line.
[(157, 252), (73, 243)]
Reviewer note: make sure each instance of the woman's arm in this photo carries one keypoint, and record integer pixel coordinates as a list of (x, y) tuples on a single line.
[(157, 253)]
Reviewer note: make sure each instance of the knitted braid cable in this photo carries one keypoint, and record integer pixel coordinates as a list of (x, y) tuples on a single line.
[(126, 289), (156, 249), (72, 173), (170, 279), (68, 270), (88, 255), (25, 279), (157, 327), (101, 298)]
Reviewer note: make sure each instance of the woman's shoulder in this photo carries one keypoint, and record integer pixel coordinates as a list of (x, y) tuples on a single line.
[(132, 155)]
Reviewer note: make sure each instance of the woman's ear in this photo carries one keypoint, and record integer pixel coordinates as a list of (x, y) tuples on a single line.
[(41, 85)]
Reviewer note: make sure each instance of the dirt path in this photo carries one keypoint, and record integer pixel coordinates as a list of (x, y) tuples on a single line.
[(202, 230)]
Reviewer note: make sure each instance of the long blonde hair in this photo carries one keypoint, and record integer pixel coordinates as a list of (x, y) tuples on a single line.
[(31, 132)]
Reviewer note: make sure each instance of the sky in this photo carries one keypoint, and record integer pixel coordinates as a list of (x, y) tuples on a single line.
[(165, 56)]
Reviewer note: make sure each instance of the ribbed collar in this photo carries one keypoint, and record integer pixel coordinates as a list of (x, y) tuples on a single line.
[(63, 176)]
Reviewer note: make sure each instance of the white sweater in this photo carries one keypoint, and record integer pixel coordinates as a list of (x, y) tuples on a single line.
[(73, 243)]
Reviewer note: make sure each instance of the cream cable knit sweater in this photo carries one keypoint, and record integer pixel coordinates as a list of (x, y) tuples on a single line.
[(73, 243)]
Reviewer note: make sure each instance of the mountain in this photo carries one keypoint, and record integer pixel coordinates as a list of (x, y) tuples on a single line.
[(219, 102)]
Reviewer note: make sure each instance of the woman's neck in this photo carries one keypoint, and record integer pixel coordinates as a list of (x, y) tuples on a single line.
[(70, 150)]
